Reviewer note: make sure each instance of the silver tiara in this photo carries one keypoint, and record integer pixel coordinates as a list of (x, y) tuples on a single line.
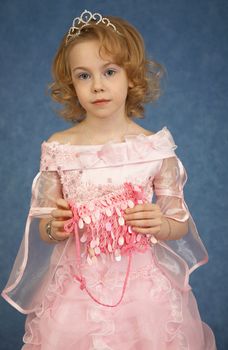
[(85, 18)]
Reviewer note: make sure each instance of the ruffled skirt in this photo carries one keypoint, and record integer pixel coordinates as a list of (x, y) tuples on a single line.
[(152, 315)]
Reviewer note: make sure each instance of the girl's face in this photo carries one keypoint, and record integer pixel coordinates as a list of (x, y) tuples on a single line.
[(100, 84)]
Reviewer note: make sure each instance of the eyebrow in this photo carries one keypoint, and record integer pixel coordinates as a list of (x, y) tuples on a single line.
[(84, 68)]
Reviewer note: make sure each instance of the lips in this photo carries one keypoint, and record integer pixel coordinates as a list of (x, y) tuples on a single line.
[(100, 101)]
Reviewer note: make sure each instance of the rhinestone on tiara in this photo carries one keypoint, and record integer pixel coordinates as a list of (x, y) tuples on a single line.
[(84, 20)]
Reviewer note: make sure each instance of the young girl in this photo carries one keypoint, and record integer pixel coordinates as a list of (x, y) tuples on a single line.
[(100, 265)]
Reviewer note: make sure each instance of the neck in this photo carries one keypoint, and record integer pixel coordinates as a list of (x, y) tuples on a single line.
[(101, 130)]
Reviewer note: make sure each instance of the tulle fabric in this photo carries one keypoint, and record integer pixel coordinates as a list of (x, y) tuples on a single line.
[(158, 310), (153, 315)]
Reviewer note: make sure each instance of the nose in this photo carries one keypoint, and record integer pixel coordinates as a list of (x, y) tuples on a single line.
[(98, 85)]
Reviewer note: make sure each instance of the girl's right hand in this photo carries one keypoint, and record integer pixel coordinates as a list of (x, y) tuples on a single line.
[(60, 215)]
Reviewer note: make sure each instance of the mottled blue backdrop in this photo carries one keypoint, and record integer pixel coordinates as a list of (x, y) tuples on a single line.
[(190, 38)]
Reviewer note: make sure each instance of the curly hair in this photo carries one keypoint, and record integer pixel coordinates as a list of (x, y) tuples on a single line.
[(126, 47)]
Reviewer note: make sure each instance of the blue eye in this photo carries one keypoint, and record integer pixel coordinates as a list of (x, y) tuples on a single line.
[(83, 76), (110, 72)]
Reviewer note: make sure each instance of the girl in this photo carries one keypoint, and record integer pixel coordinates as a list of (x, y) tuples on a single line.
[(100, 265)]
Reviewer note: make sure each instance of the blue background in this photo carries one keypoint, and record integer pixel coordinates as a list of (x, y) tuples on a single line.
[(190, 38)]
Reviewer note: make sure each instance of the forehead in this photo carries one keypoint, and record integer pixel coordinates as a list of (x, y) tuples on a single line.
[(88, 53)]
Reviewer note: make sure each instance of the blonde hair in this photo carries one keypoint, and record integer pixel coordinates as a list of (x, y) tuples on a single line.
[(126, 47)]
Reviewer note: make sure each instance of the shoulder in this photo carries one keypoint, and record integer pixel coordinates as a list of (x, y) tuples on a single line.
[(137, 129), (64, 136)]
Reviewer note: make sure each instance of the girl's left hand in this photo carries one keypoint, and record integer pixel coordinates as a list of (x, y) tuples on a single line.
[(144, 218)]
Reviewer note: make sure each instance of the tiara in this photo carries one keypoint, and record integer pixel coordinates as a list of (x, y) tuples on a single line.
[(85, 18)]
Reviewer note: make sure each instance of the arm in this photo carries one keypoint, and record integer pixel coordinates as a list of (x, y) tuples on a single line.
[(167, 219), (148, 219)]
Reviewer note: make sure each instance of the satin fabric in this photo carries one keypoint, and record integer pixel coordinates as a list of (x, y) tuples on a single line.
[(82, 172)]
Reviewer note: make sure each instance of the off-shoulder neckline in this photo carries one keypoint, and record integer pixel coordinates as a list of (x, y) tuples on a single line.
[(127, 136)]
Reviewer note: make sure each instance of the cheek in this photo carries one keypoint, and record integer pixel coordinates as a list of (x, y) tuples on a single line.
[(79, 90)]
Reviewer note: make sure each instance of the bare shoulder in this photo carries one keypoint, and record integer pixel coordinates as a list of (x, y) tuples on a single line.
[(64, 136), (140, 130)]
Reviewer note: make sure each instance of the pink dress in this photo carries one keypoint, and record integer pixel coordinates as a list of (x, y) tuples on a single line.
[(158, 310)]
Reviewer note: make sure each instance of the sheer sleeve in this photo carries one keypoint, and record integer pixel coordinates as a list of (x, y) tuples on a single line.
[(168, 187), (188, 252), (46, 189), (32, 267)]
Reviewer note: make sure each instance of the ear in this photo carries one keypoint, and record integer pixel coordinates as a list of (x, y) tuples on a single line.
[(130, 84)]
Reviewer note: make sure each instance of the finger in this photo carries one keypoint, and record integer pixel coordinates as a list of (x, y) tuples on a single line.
[(148, 230), (60, 235), (62, 203), (142, 215), (142, 207), (59, 225), (58, 213), (145, 223)]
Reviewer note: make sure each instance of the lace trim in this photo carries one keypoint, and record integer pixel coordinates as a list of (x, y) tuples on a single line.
[(76, 189)]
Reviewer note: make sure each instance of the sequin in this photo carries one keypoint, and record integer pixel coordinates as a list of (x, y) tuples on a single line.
[(97, 240), (118, 211), (87, 219), (108, 226), (130, 203), (117, 255), (80, 223), (138, 237), (108, 212), (113, 235), (83, 238), (93, 243), (109, 247), (121, 221), (97, 250), (129, 229), (121, 240), (153, 240)]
